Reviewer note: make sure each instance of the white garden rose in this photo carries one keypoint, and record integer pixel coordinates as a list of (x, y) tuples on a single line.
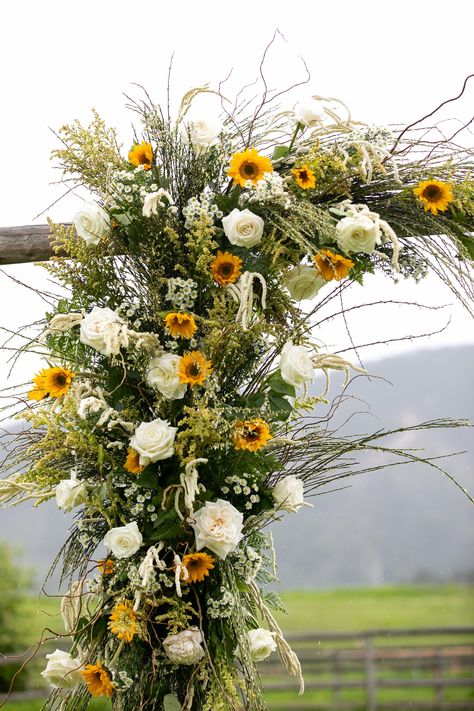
[(243, 228), (357, 233), (155, 200), (296, 366), (91, 223), (184, 647), (203, 133), (62, 671), (309, 112), (154, 441), (218, 526), (104, 330), (163, 375), (303, 282), (90, 406), (262, 643), (123, 541), (288, 494), (70, 493)]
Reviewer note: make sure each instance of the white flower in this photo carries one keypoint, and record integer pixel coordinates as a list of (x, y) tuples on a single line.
[(296, 366), (123, 541), (357, 233), (163, 375), (64, 322), (184, 647), (154, 441), (104, 330), (203, 132), (91, 222), (70, 493), (89, 406), (243, 228), (262, 643), (303, 282), (288, 494), (155, 200), (218, 526), (62, 671), (309, 112)]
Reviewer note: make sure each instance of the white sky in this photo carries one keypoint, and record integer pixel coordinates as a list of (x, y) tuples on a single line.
[(390, 62)]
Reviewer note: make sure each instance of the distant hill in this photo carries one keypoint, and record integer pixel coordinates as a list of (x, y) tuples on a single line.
[(389, 526)]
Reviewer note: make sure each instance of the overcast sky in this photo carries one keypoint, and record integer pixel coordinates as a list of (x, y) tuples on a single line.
[(390, 62)]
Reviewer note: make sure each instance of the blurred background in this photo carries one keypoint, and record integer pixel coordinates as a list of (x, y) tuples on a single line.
[(392, 552)]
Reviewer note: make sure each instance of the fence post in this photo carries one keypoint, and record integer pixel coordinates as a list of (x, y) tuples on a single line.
[(370, 675)]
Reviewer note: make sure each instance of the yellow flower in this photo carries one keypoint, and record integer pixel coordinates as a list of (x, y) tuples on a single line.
[(249, 165), (98, 680), (141, 154), (106, 566), (193, 368), (181, 325), (332, 266), (226, 268), (304, 177), (123, 621), (435, 195), (132, 462), (251, 434), (198, 566), (54, 382)]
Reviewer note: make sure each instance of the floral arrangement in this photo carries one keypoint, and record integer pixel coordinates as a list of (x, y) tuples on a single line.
[(173, 414)]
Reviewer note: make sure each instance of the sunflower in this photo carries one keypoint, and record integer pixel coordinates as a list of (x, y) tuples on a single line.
[(198, 566), (106, 566), (249, 165), (193, 368), (132, 462), (304, 177), (226, 268), (251, 434), (123, 621), (98, 680), (54, 382), (180, 325), (435, 195), (141, 154), (332, 266)]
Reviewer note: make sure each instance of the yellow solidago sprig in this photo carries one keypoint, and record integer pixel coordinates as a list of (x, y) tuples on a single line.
[(141, 155), (332, 266), (52, 382), (435, 195), (123, 621), (248, 165), (98, 680), (304, 177), (251, 435), (193, 368), (180, 325)]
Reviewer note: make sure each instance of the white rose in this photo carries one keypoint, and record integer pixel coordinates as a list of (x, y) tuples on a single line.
[(89, 406), (203, 133), (218, 526), (357, 234), (91, 223), (123, 541), (154, 441), (163, 375), (62, 671), (303, 282), (184, 647), (262, 643), (288, 494), (70, 493), (153, 201), (296, 366), (309, 112), (104, 330), (243, 228)]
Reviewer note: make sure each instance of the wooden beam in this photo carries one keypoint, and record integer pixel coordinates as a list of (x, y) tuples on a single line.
[(29, 243)]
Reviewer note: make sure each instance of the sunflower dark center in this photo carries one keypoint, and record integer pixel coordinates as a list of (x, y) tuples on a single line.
[(432, 192), (248, 169), (226, 269), (304, 176), (60, 380), (251, 434), (194, 369)]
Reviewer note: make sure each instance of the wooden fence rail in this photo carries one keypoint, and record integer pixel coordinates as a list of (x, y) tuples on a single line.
[(28, 243)]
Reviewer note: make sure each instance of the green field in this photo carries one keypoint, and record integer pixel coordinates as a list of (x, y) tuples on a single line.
[(331, 610)]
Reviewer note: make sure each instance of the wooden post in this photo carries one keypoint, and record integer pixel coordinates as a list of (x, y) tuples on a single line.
[(29, 243), (370, 675)]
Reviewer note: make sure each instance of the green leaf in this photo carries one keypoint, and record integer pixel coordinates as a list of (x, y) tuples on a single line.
[(148, 479), (280, 152), (278, 403), (171, 703), (468, 243), (278, 385), (255, 400)]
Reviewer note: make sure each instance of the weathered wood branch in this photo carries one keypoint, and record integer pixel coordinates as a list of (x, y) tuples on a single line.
[(29, 243)]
